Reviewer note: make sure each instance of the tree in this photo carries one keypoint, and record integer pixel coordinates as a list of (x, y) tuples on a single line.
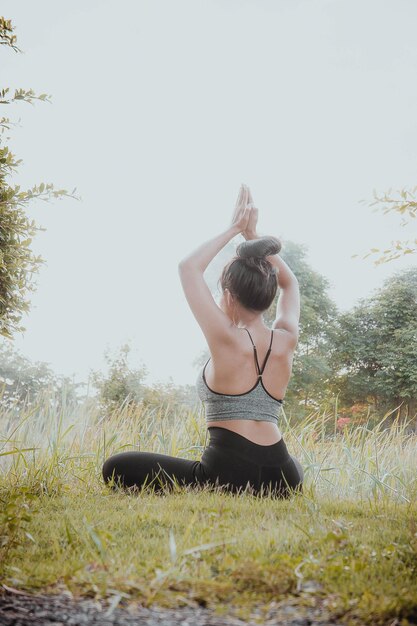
[(376, 347), (395, 310), (125, 386), (22, 382), (354, 359), (17, 261), (122, 385)]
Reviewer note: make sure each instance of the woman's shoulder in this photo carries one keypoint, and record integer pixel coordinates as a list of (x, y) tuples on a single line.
[(241, 338)]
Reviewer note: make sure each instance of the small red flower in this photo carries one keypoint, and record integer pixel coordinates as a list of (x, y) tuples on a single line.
[(342, 422)]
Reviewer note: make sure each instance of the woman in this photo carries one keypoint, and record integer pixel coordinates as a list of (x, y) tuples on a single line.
[(242, 399)]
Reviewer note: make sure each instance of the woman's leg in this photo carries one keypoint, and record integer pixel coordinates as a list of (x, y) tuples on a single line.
[(220, 465), (134, 469), (283, 480), (217, 468)]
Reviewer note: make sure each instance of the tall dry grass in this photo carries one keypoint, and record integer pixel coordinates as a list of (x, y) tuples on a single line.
[(53, 445)]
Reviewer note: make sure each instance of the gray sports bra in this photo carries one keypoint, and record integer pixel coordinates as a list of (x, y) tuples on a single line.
[(256, 404)]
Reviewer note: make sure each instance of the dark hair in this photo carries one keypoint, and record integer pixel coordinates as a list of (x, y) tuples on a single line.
[(249, 276)]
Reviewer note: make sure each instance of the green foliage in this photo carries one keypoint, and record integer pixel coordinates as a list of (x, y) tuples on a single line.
[(18, 263), (123, 386), (15, 515), (26, 384), (22, 382), (376, 346)]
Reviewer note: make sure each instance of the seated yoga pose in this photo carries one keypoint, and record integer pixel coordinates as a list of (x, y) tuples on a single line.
[(242, 398)]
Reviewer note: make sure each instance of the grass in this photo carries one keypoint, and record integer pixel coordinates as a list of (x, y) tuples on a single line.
[(348, 543)]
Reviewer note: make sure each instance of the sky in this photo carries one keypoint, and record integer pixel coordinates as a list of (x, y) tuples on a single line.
[(160, 110)]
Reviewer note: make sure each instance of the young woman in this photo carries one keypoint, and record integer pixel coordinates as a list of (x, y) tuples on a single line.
[(243, 383)]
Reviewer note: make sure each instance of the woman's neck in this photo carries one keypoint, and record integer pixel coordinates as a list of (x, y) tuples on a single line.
[(254, 324)]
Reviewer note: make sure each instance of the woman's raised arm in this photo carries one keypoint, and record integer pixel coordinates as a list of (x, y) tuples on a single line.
[(288, 305)]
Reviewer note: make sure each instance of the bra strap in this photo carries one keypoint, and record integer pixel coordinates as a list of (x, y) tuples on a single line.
[(268, 353), (260, 371), (250, 336), (256, 356)]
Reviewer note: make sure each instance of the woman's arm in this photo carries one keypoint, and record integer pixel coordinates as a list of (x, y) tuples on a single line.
[(288, 306), (200, 258), (213, 321)]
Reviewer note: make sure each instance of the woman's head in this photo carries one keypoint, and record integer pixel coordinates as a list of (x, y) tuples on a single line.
[(249, 277)]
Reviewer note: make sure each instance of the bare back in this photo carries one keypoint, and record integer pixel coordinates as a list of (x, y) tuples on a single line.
[(232, 370)]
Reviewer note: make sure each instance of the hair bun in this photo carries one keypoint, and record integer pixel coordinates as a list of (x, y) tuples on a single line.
[(258, 248)]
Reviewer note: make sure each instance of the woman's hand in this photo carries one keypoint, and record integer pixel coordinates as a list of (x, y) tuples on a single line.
[(245, 200), (242, 211), (250, 232)]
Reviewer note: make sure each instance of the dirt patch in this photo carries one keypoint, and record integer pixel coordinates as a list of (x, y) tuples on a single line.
[(21, 609)]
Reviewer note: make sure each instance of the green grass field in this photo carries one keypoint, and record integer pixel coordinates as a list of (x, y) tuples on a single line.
[(348, 542)]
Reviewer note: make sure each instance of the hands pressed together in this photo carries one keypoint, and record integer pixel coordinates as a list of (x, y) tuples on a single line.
[(245, 215)]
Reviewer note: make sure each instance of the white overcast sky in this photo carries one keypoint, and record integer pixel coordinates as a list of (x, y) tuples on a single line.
[(160, 109)]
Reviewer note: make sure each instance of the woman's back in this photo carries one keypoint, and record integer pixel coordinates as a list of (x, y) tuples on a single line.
[(257, 374)]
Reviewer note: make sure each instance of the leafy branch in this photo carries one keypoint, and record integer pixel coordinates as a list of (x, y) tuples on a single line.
[(6, 34), (17, 261), (405, 204), (26, 95)]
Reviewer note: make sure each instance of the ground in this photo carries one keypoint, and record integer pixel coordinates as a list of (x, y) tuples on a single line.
[(21, 609)]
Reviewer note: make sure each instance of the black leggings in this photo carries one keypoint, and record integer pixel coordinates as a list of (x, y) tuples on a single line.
[(230, 461)]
